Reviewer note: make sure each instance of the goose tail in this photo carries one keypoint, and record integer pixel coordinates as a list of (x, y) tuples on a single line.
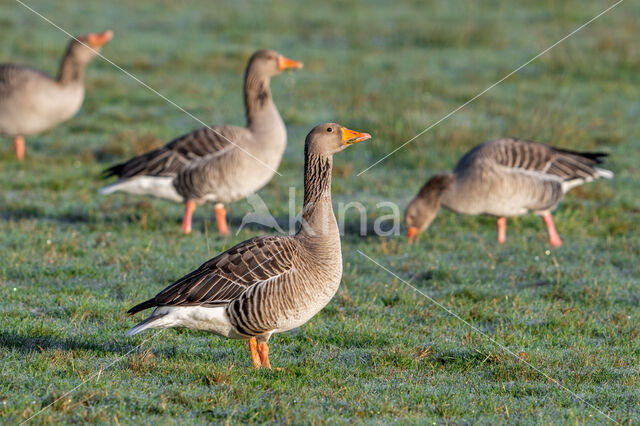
[(148, 323)]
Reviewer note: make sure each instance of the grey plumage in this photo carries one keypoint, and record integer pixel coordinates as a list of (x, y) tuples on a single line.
[(219, 164), (505, 177), (267, 284), (32, 101)]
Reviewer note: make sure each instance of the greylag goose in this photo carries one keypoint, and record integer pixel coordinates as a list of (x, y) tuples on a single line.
[(267, 284), (505, 177), (31, 102), (217, 164)]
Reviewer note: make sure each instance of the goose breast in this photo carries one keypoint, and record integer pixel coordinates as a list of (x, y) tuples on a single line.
[(288, 300), (33, 102)]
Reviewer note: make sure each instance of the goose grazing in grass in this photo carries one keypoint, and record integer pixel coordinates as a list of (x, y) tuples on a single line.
[(218, 164), (31, 102), (267, 284), (505, 177)]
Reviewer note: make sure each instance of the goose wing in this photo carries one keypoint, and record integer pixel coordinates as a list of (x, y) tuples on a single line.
[(224, 278), (530, 175), (207, 142), (14, 77), (519, 155)]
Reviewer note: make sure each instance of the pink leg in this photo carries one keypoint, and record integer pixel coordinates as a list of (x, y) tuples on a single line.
[(18, 144), (502, 230), (554, 238), (221, 218), (189, 208)]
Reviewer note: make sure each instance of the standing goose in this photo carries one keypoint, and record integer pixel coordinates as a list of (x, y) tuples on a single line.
[(267, 284), (31, 102), (505, 177), (218, 164)]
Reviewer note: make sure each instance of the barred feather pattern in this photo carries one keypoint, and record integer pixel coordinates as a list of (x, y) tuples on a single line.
[(317, 173), (222, 163), (314, 274), (508, 176), (272, 283), (517, 154), (224, 278), (170, 159)]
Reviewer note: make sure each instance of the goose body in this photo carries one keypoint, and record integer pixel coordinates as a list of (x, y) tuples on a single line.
[(218, 164), (268, 284), (282, 294), (32, 102), (504, 178)]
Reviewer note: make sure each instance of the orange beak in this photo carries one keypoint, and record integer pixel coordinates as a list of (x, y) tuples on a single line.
[(351, 136), (286, 63), (411, 233), (100, 39)]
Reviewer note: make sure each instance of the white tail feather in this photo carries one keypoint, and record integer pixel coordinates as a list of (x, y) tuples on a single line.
[(144, 325), (604, 173), (108, 189), (145, 185)]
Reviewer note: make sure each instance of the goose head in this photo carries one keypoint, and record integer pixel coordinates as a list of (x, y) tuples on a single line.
[(329, 138), (85, 47), (423, 209), (269, 63)]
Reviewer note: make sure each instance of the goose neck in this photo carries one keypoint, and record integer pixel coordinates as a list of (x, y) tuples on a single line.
[(318, 219), (258, 103), (71, 70)]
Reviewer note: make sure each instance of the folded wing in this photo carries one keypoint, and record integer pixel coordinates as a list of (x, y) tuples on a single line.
[(225, 277)]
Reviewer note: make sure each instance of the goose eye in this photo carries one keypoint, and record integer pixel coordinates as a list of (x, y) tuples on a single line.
[(329, 129)]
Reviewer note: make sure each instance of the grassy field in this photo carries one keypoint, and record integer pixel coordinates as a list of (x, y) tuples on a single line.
[(72, 262)]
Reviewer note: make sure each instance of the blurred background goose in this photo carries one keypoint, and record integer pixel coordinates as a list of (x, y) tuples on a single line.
[(220, 164), (505, 177), (31, 101), (268, 284)]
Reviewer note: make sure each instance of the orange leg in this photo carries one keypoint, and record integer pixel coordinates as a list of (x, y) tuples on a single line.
[(263, 350), (18, 144), (554, 238), (221, 218), (189, 208), (253, 346), (502, 230)]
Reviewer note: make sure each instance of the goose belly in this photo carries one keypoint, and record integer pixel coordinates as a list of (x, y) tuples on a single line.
[(211, 319), (240, 183), (40, 109), (237, 189), (496, 200), (298, 317), (280, 305), (495, 206)]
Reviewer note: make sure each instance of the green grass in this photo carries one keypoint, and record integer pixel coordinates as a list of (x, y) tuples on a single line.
[(72, 262)]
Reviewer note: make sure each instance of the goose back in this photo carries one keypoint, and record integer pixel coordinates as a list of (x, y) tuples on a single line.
[(507, 177)]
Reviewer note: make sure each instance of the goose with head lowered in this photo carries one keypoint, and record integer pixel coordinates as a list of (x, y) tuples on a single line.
[(217, 164), (268, 284), (32, 102), (505, 177)]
